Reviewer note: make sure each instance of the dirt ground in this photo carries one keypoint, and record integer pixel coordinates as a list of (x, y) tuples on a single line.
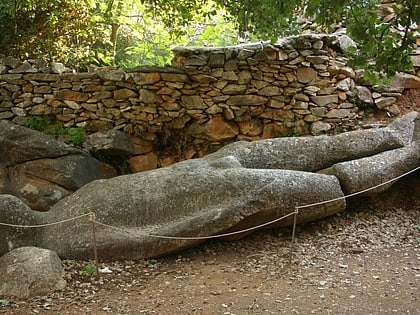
[(365, 260)]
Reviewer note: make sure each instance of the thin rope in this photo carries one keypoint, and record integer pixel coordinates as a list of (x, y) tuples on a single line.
[(260, 225), (92, 217), (50, 224), (200, 237), (358, 192)]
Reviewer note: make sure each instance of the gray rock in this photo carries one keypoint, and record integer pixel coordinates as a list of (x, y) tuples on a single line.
[(346, 43), (311, 153), (406, 128), (406, 81), (364, 94), (358, 175), (112, 142), (319, 127), (14, 211), (19, 144), (29, 272), (11, 62), (194, 198), (383, 102), (41, 170)]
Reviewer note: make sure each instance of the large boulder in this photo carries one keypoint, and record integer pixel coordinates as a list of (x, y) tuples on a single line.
[(361, 174), (41, 170), (243, 185), (193, 198), (13, 215), (29, 272), (311, 154)]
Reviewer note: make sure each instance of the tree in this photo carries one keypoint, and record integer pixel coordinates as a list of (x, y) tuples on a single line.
[(383, 29), (43, 28), (107, 31)]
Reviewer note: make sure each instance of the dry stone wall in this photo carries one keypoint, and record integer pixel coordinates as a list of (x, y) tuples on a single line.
[(208, 97)]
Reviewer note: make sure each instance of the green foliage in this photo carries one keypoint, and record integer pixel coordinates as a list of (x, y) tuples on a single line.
[(76, 136), (39, 123), (89, 269), (72, 135), (383, 45), (268, 19), (52, 29), (4, 303), (132, 32)]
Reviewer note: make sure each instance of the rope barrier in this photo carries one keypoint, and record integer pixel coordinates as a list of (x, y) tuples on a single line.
[(48, 224), (295, 212), (200, 237), (92, 217), (358, 192)]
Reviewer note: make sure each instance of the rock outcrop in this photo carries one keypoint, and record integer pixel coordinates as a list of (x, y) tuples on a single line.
[(242, 185), (42, 170), (29, 271)]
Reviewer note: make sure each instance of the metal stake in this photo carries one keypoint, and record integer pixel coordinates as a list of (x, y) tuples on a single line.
[(292, 242), (95, 251)]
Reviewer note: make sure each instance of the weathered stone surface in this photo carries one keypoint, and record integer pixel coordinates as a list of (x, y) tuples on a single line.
[(58, 67), (306, 75), (42, 170), (232, 89), (149, 97), (72, 96), (174, 77), (218, 191), (358, 175), (216, 60), (364, 94), (193, 102), (241, 185), (112, 75), (324, 99), (125, 93), (307, 150), (383, 102), (11, 62), (203, 78), (346, 42), (144, 162), (246, 100), (282, 115), (338, 113), (270, 91), (216, 129), (14, 211), (345, 85), (250, 128), (29, 272), (146, 78), (112, 142), (406, 81), (25, 67), (320, 127), (19, 144), (406, 128)]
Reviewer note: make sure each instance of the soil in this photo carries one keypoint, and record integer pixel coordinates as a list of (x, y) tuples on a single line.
[(365, 260)]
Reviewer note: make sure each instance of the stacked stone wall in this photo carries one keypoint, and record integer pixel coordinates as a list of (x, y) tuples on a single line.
[(207, 97)]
